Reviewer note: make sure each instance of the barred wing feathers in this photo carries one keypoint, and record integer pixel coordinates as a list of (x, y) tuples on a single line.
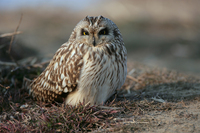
[(61, 75)]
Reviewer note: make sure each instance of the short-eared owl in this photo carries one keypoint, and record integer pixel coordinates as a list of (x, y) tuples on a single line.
[(89, 67)]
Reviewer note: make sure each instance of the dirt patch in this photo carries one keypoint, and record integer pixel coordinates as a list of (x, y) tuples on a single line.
[(184, 119), (172, 102)]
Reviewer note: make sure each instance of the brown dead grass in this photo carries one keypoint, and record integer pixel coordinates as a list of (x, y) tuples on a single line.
[(149, 90)]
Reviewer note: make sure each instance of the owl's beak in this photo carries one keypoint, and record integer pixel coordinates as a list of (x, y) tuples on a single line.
[(93, 41)]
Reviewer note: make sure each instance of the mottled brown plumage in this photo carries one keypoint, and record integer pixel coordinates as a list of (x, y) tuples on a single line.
[(89, 67)]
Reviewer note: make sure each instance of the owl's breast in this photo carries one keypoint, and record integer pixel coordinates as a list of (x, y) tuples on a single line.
[(100, 76)]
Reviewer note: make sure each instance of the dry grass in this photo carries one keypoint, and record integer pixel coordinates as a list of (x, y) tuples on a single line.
[(19, 113), (55, 118)]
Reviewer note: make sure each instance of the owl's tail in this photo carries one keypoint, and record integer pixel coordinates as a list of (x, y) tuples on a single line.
[(26, 84)]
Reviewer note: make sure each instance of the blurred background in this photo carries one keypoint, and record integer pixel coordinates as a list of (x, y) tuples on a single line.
[(157, 32)]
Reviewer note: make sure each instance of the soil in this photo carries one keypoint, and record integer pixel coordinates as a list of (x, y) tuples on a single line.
[(175, 108), (182, 120)]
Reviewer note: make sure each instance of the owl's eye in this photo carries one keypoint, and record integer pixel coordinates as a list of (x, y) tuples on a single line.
[(84, 32), (103, 32)]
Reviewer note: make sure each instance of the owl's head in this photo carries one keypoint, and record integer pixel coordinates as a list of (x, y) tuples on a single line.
[(95, 31)]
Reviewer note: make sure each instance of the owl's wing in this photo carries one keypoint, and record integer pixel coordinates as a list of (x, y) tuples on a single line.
[(61, 75)]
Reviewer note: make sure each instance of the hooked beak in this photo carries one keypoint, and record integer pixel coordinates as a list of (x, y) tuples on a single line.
[(93, 41)]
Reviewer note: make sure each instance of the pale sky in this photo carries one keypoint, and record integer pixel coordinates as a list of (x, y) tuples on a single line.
[(72, 4)]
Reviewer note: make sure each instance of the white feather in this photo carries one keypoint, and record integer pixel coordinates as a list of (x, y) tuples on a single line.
[(49, 77), (72, 54), (56, 66), (65, 90), (47, 72), (63, 83), (62, 76)]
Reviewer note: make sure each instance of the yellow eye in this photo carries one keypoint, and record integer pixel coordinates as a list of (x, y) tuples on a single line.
[(104, 32), (83, 32)]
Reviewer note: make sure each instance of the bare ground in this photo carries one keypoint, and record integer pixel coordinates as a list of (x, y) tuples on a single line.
[(181, 120), (171, 103)]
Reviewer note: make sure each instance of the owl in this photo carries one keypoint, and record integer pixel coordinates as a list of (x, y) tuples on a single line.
[(88, 68)]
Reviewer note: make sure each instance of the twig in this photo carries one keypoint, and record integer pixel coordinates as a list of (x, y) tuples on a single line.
[(10, 34), (106, 107), (131, 72), (64, 117), (4, 86), (127, 120), (158, 100), (12, 39), (132, 78), (7, 63), (12, 107), (130, 122), (41, 64)]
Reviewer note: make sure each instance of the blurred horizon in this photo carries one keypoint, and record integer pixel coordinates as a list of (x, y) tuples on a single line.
[(70, 4), (156, 33)]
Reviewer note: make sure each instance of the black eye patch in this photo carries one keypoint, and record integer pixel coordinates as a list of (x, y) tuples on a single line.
[(103, 31), (84, 32)]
